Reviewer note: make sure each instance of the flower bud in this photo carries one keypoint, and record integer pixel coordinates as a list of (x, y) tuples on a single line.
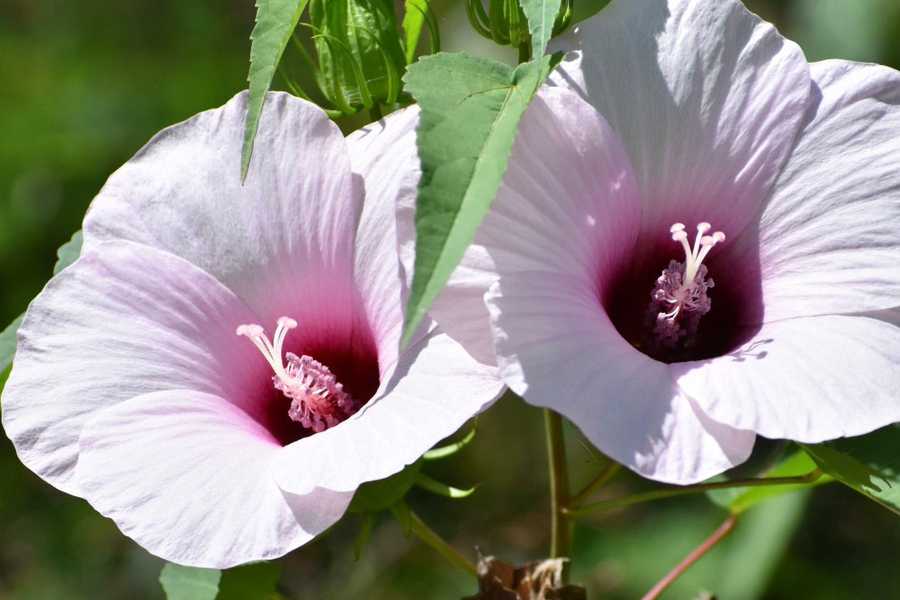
[(359, 53), (504, 22)]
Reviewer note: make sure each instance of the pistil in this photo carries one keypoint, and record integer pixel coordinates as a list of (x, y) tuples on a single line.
[(318, 400), (680, 297)]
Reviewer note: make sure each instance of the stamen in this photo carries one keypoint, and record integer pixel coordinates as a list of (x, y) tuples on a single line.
[(680, 297), (318, 400)]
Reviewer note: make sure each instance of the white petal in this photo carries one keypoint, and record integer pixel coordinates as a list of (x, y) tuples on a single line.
[(282, 241), (707, 98), (124, 320), (829, 238), (384, 154), (556, 348), (188, 476), (808, 379), (436, 387)]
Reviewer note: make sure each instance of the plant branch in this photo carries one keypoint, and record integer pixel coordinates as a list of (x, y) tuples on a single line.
[(608, 472), (439, 544), (605, 505), (718, 535), (559, 484)]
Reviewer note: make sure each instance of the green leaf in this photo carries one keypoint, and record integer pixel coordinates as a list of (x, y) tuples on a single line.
[(471, 109), (417, 14), (66, 255), (257, 580), (8, 344), (450, 449), (68, 252), (442, 489), (869, 464), (189, 583), (376, 496), (275, 23), (541, 16), (738, 500)]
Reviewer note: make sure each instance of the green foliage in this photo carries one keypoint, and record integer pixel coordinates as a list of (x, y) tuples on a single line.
[(376, 496), (869, 464), (189, 583), (454, 448), (418, 13), (66, 255), (68, 252), (738, 500), (8, 344), (360, 56), (257, 580), (275, 23), (442, 489), (471, 109), (541, 16)]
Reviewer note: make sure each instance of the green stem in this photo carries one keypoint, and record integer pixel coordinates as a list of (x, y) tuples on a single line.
[(606, 505), (375, 112), (559, 485), (708, 544), (439, 545), (608, 472)]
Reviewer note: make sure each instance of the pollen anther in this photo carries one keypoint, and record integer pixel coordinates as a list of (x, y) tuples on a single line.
[(679, 298), (318, 400)]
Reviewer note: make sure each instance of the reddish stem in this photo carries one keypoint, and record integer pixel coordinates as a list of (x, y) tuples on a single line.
[(718, 535)]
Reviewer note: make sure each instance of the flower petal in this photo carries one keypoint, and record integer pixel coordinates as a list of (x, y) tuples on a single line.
[(829, 241), (282, 241), (567, 203), (437, 387), (122, 321), (557, 348), (384, 154), (188, 476), (707, 98), (808, 379)]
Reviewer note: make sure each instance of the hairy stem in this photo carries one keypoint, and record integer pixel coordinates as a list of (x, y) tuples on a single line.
[(559, 485), (605, 505), (427, 535), (718, 535)]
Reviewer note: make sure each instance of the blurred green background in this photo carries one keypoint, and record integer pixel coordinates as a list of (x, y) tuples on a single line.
[(86, 83)]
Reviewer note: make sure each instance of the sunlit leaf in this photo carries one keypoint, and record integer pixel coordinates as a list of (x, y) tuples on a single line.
[(442, 489), (869, 464), (451, 449), (418, 14), (541, 16), (189, 583), (471, 109), (275, 23), (738, 500)]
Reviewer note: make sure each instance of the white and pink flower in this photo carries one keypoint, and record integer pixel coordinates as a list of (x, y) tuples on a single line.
[(672, 350), (145, 380)]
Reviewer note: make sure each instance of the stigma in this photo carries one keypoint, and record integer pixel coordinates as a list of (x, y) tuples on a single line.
[(318, 400), (680, 297)]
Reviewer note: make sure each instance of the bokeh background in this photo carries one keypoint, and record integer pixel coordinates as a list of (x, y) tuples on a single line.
[(85, 84)]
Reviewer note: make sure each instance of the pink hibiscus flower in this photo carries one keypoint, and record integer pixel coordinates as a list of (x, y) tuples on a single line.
[(145, 380), (671, 349)]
